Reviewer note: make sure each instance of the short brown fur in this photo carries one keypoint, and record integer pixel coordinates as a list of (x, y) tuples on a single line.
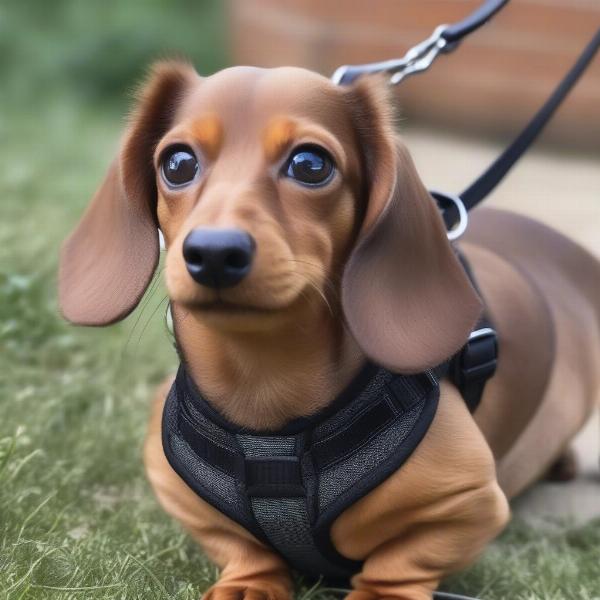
[(360, 268), (208, 131), (278, 136)]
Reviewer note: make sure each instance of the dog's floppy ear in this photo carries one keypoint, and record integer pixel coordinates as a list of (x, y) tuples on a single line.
[(109, 259), (406, 297)]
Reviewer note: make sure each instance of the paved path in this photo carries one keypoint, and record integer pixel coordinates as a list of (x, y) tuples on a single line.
[(579, 499), (563, 190)]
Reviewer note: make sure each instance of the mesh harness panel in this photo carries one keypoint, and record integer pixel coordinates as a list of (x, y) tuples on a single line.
[(288, 487)]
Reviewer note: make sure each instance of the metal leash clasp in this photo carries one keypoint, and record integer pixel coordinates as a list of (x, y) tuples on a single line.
[(419, 58)]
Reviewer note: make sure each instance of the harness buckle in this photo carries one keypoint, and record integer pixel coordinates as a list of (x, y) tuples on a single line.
[(478, 359)]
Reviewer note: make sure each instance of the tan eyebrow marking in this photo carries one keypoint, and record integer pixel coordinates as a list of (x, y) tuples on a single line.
[(277, 135), (209, 133)]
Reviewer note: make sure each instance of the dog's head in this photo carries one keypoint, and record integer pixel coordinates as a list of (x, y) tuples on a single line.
[(274, 189)]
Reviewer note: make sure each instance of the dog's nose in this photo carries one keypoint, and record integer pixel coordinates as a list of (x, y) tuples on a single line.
[(218, 258)]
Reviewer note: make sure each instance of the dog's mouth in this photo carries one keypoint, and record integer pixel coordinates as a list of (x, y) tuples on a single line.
[(235, 317), (226, 307)]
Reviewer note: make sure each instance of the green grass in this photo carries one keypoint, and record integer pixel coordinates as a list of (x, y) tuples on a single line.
[(77, 518)]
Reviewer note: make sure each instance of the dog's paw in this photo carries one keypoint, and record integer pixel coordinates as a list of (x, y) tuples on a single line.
[(225, 591)]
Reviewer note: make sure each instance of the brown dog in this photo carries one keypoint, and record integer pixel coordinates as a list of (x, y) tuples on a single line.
[(349, 260)]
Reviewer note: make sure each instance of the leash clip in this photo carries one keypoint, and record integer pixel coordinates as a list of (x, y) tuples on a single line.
[(419, 58)]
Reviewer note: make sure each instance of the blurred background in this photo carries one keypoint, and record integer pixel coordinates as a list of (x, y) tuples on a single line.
[(499, 77), (76, 515)]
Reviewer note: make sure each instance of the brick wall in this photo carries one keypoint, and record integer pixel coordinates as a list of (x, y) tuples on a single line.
[(491, 84)]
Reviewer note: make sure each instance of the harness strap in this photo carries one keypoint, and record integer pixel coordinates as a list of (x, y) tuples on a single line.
[(472, 367), (476, 361), (281, 476), (268, 477)]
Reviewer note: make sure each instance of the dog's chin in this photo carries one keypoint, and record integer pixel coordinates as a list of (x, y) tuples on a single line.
[(228, 316)]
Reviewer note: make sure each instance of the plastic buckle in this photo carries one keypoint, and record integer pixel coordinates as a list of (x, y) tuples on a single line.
[(479, 358)]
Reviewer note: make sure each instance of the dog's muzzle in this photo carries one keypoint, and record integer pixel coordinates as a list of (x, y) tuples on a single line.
[(218, 258)]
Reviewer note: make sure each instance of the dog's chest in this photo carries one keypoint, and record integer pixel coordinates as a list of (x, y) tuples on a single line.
[(288, 487)]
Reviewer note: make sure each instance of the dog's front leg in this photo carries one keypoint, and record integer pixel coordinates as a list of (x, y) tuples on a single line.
[(411, 566), (250, 571), (431, 518)]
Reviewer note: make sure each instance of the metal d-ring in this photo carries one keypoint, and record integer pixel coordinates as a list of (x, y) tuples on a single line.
[(463, 217)]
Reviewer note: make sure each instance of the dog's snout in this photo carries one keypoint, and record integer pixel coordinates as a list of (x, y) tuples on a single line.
[(218, 258)]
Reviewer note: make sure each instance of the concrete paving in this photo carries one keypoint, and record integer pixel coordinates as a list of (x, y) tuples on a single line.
[(562, 190), (578, 500)]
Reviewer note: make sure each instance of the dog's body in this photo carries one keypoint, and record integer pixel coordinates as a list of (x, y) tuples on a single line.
[(273, 348), (543, 292)]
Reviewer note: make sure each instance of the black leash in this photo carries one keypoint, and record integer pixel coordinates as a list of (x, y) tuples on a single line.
[(419, 58), (444, 39), (455, 33), (492, 176)]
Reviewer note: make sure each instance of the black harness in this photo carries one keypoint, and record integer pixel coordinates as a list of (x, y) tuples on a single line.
[(288, 487)]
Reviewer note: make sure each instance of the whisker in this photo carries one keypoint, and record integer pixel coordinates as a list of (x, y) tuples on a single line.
[(317, 266), (317, 289), (320, 268), (144, 304), (304, 295), (148, 320), (156, 309)]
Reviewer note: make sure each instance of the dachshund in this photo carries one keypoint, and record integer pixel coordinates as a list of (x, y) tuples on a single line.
[(335, 254)]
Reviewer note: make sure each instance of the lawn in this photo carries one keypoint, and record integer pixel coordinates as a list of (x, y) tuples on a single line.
[(77, 518)]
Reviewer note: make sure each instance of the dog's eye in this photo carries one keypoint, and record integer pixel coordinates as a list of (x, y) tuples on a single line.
[(179, 165), (310, 165)]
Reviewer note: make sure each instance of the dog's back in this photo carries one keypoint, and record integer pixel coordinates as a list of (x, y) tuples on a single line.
[(543, 291)]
